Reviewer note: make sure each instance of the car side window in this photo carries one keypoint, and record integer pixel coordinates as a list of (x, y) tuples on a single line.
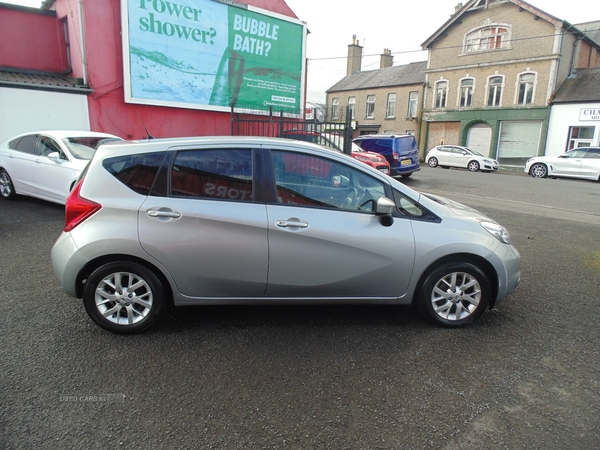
[(411, 209), (46, 145), (593, 153), (307, 180), (26, 144), (137, 172), (224, 174)]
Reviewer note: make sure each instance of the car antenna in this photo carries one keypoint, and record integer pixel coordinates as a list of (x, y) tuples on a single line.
[(148, 135)]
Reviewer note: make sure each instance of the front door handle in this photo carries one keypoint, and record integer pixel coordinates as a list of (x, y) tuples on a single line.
[(291, 223), (162, 213)]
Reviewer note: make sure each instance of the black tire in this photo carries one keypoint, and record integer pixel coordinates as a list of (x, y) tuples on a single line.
[(7, 188), (112, 308), (473, 166), (454, 288), (433, 162), (538, 170)]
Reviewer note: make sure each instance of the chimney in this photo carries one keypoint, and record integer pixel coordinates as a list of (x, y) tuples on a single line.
[(386, 60), (354, 57), (457, 8)]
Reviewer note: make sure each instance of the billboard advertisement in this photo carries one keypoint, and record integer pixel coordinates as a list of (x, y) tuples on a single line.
[(211, 54)]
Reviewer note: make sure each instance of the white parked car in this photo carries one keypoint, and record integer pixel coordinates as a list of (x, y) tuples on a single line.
[(577, 163), (456, 156), (46, 164)]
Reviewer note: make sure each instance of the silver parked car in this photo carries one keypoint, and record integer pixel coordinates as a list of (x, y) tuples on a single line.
[(46, 164), (456, 156), (225, 220), (577, 163)]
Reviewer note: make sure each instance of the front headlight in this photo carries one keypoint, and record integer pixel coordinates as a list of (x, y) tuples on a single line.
[(498, 231)]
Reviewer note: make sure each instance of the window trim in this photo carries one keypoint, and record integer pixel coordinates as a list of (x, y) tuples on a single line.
[(435, 94), (352, 106), (411, 101), (505, 39), (390, 106), (370, 107), (335, 108), (460, 92), (488, 86), (518, 85)]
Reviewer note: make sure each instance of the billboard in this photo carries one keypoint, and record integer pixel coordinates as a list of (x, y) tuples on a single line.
[(211, 54)]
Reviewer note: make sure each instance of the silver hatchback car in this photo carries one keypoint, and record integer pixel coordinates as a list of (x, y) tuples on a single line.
[(225, 220)]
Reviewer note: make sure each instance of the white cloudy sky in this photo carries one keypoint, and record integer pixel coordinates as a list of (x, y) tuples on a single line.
[(400, 25)]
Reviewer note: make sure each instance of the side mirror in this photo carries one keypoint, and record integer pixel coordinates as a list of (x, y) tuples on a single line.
[(54, 156), (384, 208)]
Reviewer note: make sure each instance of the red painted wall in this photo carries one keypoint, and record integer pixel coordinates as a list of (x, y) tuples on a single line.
[(108, 111), (31, 39)]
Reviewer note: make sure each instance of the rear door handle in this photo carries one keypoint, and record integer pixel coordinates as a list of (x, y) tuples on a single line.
[(291, 223)]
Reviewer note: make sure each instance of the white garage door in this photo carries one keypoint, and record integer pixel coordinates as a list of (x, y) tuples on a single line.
[(519, 140), (479, 138)]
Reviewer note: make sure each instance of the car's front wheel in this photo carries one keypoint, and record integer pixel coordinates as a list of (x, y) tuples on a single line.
[(124, 297), (473, 166), (7, 189), (539, 170), (455, 294), (433, 162)]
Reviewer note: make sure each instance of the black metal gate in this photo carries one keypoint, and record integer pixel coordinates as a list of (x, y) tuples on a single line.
[(333, 134)]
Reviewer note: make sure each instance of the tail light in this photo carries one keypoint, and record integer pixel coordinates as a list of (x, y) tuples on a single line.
[(395, 156), (78, 209)]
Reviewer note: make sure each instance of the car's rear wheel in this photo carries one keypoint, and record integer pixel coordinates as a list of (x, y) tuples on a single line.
[(433, 162), (539, 170), (7, 189), (124, 297), (455, 294), (473, 166)]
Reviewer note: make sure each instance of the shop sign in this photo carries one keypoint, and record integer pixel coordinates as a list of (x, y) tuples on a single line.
[(589, 114)]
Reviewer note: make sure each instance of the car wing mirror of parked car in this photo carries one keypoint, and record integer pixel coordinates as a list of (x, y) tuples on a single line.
[(54, 156), (384, 208)]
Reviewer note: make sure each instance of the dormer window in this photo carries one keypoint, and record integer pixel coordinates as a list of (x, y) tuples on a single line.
[(488, 38)]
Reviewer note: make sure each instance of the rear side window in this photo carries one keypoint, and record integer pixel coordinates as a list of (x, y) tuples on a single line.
[(224, 174), (25, 144), (376, 145), (137, 172), (406, 144)]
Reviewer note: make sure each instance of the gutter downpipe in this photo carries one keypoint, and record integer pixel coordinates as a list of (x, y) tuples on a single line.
[(82, 33)]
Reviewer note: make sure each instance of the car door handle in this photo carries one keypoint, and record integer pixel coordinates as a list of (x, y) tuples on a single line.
[(161, 213), (291, 223)]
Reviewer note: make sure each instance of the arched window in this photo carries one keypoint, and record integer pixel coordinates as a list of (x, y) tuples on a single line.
[(492, 37), (441, 93), (495, 84), (466, 92), (526, 85)]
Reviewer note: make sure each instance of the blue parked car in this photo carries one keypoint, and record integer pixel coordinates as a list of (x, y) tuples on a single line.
[(400, 150)]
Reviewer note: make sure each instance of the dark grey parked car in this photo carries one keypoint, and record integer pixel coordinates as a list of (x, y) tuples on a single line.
[(222, 220)]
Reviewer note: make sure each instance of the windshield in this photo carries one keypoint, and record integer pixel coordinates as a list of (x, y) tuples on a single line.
[(85, 147)]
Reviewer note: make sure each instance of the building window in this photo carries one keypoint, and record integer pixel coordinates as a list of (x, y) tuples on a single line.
[(466, 92), (413, 103), (580, 137), (352, 105), (335, 108), (486, 39), (390, 110), (495, 91), (370, 112), (441, 94), (526, 83)]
